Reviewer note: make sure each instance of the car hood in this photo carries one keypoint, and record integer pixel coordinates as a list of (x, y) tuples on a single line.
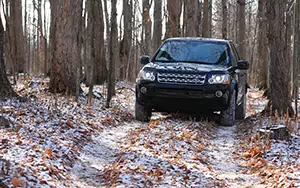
[(186, 67)]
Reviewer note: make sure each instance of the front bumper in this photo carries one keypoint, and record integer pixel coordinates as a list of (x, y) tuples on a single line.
[(181, 97)]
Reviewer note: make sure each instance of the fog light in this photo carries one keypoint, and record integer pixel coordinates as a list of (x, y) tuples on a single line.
[(219, 94), (143, 89)]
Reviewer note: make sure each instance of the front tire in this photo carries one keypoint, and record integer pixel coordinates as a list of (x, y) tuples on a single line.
[(228, 115), (142, 113)]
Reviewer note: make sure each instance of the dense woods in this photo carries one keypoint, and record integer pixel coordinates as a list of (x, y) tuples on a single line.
[(97, 42), (68, 92)]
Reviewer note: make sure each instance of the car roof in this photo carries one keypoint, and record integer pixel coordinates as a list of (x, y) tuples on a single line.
[(198, 39)]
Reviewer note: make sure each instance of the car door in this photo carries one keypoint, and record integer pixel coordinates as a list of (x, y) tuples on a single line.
[(241, 77)]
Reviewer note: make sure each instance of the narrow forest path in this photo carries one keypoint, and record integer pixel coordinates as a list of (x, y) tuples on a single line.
[(170, 151), (102, 151), (226, 165)]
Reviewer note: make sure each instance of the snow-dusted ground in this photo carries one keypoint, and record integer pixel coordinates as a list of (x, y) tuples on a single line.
[(56, 142), (226, 164), (100, 152)]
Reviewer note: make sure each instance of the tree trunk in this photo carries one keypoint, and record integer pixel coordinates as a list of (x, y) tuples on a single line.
[(26, 68), (191, 18), (199, 18), (5, 89), (210, 14), (157, 24), (65, 44), (262, 48), (95, 42), (280, 74), (107, 32), (126, 43), (296, 54), (224, 19), (46, 66), (147, 28), (241, 17), (205, 29), (113, 44), (173, 24), (17, 36)]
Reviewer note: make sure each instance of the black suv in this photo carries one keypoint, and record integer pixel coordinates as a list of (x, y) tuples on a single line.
[(193, 75)]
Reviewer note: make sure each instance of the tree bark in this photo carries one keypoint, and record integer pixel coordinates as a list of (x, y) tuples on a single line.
[(65, 44), (210, 14), (5, 89), (126, 43), (17, 36), (95, 42), (157, 34), (199, 18), (191, 18), (280, 74), (262, 48), (205, 29), (113, 44), (241, 38), (296, 54), (224, 19), (100, 65), (147, 27), (173, 24)]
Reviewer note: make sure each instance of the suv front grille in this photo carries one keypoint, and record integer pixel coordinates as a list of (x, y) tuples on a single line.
[(175, 78)]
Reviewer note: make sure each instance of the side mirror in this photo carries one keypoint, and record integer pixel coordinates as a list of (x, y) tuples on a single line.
[(145, 60), (243, 65)]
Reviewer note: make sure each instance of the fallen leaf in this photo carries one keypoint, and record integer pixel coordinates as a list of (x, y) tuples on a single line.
[(158, 172), (49, 153), (17, 182), (147, 146)]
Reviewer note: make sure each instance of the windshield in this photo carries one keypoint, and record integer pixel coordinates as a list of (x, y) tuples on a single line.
[(194, 52)]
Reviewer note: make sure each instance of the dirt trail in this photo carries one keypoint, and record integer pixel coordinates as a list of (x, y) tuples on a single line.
[(88, 171), (226, 166), (103, 150)]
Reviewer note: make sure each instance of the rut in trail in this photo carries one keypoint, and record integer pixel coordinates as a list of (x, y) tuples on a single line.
[(225, 165), (103, 150)]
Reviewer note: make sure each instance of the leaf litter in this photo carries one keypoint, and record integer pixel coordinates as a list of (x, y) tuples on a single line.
[(55, 142)]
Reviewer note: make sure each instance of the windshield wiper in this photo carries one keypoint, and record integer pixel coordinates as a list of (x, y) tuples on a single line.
[(198, 62), (164, 61)]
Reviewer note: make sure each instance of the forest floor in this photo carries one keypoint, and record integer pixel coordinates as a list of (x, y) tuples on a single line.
[(52, 141)]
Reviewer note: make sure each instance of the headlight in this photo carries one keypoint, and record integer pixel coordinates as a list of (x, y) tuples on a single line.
[(146, 75), (219, 79)]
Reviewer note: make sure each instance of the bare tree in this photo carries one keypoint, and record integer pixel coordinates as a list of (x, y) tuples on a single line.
[(94, 43), (126, 43), (173, 25), (147, 27), (296, 54), (210, 15), (241, 20), (205, 29), (262, 49), (157, 31), (191, 18), (5, 89), (16, 37), (65, 44), (199, 18), (224, 17), (113, 53), (280, 74)]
